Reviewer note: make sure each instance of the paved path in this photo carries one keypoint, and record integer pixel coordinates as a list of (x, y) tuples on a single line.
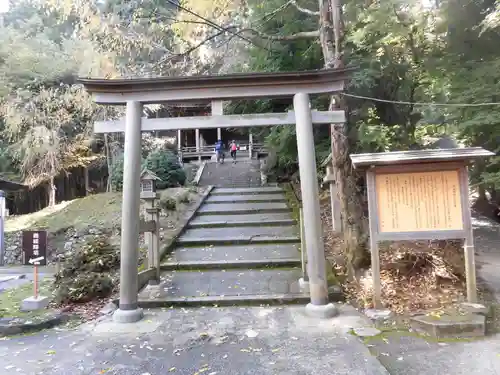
[(487, 246), (235, 250), (12, 277), (210, 341), (408, 354)]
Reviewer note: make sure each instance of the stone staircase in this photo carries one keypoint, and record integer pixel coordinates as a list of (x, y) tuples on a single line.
[(242, 247), (244, 173)]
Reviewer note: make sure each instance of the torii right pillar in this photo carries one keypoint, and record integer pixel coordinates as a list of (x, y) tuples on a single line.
[(316, 265)]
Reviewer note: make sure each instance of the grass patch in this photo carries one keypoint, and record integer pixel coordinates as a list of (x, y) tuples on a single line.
[(398, 333), (98, 210), (11, 299)]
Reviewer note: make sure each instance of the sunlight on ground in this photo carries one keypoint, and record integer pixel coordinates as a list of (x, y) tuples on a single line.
[(21, 222), (483, 222)]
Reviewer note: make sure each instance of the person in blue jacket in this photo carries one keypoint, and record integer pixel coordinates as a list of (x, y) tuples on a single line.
[(219, 151)]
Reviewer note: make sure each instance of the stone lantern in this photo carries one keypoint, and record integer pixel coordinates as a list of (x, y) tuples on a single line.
[(150, 226), (148, 184)]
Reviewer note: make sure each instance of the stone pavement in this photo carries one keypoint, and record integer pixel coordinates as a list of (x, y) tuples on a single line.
[(209, 341), (405, 353), (408, 354), (487, 248), (12, 277), (235, 250)]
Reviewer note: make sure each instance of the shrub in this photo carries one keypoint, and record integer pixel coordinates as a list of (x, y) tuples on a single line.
[(88, 273), (163, 163), (166, 166), (167, 203), (184, 197)]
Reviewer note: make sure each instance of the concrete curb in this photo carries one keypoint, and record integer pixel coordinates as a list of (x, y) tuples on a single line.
[(16, 326), (231, 264), (146, 275), (199, 173)]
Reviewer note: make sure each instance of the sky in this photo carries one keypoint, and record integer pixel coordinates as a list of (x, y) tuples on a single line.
[(4, 6)]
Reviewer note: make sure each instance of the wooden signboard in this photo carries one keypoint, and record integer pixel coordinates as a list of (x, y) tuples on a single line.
[(35, 247), (413, 202), (419, 195)]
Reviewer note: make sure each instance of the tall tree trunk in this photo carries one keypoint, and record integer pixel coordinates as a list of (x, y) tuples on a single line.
[(52, 193), (350, 195), (86, 179), (109, 187)]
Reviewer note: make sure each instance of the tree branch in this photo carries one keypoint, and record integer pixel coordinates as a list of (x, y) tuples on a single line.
[(297, 36), (304, 10)]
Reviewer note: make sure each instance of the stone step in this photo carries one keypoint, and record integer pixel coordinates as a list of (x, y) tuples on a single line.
[(233, 253), (230, 264), (242, 208), (227, 287), (239, 235), (248, 198), (248, 190), (241, 220), (217, 286)]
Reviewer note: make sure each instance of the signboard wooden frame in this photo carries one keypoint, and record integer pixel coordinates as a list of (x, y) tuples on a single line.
[(420, 195), (430, 170), (459, 226)]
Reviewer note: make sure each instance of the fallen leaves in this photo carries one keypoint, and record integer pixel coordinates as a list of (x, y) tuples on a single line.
[(415, 275)]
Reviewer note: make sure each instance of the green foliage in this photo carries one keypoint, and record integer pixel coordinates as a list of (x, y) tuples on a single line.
[(88, 273), (184, 197), (117, 173), (165, 165), (167, 203)]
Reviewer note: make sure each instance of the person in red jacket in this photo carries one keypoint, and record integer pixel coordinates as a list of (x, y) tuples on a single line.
[(233, 147)]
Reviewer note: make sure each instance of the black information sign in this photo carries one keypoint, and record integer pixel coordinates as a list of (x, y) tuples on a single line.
[(35, 247)]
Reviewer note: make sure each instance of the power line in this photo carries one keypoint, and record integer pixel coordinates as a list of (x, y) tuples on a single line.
[(214, 25), (422, 103)]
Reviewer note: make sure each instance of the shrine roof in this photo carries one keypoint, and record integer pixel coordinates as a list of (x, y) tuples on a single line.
[(418, 156)]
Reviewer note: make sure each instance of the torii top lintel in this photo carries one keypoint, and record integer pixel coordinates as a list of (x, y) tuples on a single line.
[(215, 87)]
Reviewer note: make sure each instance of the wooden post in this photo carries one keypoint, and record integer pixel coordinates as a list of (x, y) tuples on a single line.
[(35, 281), (470, 263), (377, 292)]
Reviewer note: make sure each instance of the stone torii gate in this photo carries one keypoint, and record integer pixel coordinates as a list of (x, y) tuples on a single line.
[(134, 93)]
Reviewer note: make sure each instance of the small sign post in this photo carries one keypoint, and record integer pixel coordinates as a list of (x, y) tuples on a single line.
[(35, 254), (419, 195)]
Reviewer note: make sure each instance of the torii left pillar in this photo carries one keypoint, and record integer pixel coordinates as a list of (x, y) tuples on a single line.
[(129, 311), (316, 262)]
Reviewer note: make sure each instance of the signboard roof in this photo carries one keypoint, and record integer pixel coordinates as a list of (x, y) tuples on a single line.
[(418, 156)]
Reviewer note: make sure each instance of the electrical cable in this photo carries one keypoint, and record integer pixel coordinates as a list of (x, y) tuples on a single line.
[(463, 105), (214, 25)]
